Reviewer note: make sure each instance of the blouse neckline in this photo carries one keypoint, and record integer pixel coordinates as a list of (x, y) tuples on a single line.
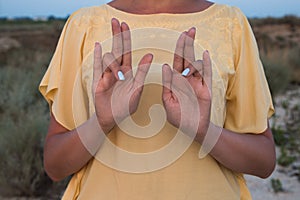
[(210, 11)]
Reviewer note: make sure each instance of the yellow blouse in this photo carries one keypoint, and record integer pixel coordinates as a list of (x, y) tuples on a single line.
[(137, 161)]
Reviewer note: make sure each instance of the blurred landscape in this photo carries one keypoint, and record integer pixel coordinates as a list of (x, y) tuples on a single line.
[(26, 47)]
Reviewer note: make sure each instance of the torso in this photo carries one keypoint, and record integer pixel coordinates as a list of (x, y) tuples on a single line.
[(115, 175)]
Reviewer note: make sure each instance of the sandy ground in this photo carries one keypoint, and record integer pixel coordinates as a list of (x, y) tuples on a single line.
[(261, 189)]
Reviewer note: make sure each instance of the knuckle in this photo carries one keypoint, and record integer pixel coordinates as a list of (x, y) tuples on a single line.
[(177, 58), (106, 55), (143, 69)]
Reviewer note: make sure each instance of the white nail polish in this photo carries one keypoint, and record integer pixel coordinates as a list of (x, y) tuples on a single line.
[(185, 72), (121, 76)]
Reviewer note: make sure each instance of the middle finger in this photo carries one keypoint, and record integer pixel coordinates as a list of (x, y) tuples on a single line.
[(117, 43), (189, 53)]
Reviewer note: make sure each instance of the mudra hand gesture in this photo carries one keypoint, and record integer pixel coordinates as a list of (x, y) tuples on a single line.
[(188, 78), (116, 91)]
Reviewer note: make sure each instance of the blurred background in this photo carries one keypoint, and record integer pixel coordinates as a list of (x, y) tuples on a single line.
[(29, 31)]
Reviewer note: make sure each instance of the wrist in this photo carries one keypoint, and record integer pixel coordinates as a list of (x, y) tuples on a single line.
[(105, 124), (91, 134), (209, 139)]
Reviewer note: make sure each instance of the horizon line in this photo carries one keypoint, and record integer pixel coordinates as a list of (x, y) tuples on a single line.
[(65, 17)]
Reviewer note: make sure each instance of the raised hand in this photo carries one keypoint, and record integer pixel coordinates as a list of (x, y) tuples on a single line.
[(116, 91), (187, 87)]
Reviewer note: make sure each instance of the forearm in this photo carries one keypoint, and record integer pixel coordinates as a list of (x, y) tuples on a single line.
[(245, 153), (67, 152)]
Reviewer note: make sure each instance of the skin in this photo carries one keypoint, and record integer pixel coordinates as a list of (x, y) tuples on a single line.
[(156, 6), (244, 153)]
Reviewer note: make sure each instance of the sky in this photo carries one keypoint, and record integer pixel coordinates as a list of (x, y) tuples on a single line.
[(63, 8)]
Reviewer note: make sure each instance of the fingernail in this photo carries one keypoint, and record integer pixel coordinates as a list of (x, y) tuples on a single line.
[(124, 24), (151, 55), (97, 43), (192, 29), (121, 76), (207, 52), (115, 19), (185, 72)]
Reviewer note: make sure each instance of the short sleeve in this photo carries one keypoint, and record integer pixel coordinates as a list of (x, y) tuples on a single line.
[(59, 82), (248, 99)]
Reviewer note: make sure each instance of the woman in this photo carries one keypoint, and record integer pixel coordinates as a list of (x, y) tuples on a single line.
[(215, 93)]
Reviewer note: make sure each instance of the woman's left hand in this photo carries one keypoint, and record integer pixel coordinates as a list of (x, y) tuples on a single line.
[(187, 87), (186, 92)]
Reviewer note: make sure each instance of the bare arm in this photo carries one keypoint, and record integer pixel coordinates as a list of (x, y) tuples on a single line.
[(246, 153), (64, 151)]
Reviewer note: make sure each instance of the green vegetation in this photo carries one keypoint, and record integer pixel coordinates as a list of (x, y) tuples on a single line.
[(285, 159), (287, 138), (7, 26), (289, 19), (278, 75), (29, 21), (24, 120), (276, 185), (294, 64)]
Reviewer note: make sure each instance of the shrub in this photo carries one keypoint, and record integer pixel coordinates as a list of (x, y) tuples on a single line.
[(294, 64), (21, 148), (24, 113), (23, 122), (277, 73), (288, 136), (276, 185), (288, 19), (280, 137), (285, 159)]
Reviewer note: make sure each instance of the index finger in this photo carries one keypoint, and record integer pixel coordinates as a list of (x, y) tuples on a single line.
[(178, 60), (97, 66)]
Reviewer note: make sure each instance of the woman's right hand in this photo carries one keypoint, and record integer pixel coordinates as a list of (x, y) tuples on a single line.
[(116, 91)]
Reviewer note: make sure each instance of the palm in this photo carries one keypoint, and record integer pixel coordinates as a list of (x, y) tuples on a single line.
[(124, 96), (117, 92), (202, 90), (187, 99)]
